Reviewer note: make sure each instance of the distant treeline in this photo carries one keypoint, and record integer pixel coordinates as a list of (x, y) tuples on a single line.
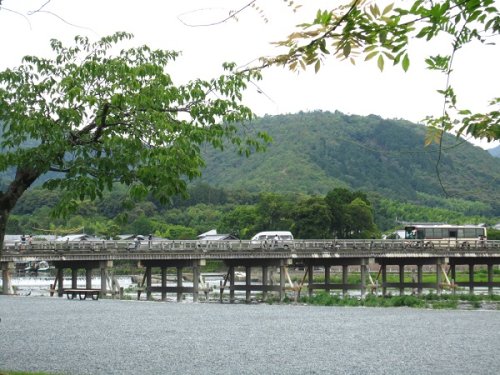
[(341, 212)]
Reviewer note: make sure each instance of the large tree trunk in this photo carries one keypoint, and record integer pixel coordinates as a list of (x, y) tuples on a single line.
[(8, 199)]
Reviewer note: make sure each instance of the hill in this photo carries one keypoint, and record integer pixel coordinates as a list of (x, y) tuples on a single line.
[(315, 152)]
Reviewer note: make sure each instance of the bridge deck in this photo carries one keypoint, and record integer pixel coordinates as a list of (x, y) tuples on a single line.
[(117, 250)]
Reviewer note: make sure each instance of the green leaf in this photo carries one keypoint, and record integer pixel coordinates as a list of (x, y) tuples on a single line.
[(371, 55), (380, 62), (317, 66), (405, 63)]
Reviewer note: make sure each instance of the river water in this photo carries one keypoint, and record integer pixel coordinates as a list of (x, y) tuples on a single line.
[(139, 337)]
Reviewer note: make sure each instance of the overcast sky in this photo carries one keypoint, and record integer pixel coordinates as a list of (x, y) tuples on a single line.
[(360, 89)]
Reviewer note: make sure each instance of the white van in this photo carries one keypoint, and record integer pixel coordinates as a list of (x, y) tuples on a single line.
[(272, 239)]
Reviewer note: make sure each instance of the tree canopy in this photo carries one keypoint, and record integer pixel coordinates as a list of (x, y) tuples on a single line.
[(100, 117)]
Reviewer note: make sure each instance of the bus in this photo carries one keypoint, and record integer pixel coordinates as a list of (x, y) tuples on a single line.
[(445, 234)]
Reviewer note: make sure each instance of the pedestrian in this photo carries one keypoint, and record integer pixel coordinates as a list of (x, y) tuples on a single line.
[(150, 240)]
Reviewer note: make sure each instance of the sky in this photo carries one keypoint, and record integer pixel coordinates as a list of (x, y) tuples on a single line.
[(178, 25)]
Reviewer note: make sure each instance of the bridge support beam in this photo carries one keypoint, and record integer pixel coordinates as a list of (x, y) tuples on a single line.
[(327, 279), (196, 281), (471, 278), (383, 269), (419, 279), (148, 276), (264, 282), (104, 265), (248, 282), (88, 278), (401, 279), (345, 279), (490, 279), (74, 278), (310, 280), (179, 284), (7, 268), (231, 284), (163, 283), (282, 282), (60, 281), (453, 278)]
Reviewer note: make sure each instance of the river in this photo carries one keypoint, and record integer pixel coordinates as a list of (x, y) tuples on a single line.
[(139, 337)]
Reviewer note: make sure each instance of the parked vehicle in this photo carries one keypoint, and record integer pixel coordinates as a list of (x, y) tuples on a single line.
[(431, 235), (273, 240)]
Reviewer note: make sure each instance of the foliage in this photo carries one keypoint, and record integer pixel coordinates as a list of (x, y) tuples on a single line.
[(241, 221), (306, 216), (98, 118), (311, 218), (494, 234), (364, 29), (351, 214)]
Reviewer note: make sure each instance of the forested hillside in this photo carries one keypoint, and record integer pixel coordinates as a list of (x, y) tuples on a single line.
[(315, 152)]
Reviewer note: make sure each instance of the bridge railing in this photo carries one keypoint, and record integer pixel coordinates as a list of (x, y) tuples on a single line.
[(246, 245)]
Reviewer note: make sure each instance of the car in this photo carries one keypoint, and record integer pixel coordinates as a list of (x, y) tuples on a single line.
[(272, 240)]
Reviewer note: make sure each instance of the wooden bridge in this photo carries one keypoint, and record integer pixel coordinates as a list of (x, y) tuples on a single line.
[(363, 256)]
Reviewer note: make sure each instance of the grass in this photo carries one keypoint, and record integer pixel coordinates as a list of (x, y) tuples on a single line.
[(431, 300), (480, 275)]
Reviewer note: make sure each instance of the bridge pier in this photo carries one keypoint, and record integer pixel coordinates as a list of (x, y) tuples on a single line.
[(264, 282), (490, 279), (327, 278), (383, 271), (266, 285), (88, 277), (344, 285), (471, 278), (419, 279), (59, 281), (74, 266), (345, 279), (104, 265), (248, 281), (417, 285), (401, 279), (471, 264), (163, 283), (74, 278), (453, 278), (7, 268), (163, 288)]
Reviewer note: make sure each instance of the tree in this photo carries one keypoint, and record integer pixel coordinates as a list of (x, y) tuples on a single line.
[(274, 211), (311, 219), (363, 29), (97, 118), (240, 221), (349, 211), (359, 218)]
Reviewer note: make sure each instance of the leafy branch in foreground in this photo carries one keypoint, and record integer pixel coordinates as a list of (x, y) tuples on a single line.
[(99, 117), (364, 29)]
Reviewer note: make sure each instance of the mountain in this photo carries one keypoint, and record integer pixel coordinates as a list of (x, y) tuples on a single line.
[(315, 152), (495, 152)]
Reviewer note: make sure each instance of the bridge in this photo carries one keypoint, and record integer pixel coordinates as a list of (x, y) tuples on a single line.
[(361, 256)]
